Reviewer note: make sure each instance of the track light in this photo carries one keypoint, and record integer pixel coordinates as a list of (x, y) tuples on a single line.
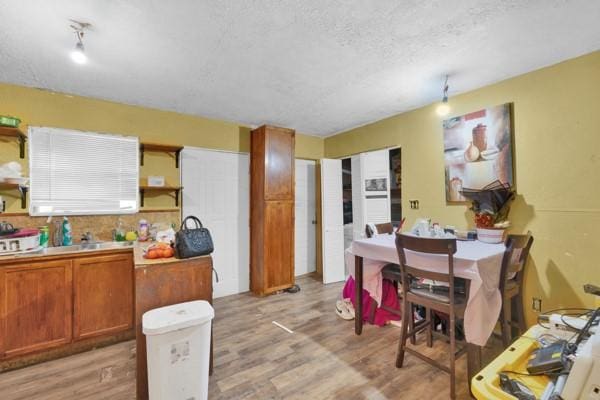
[(78, 54), (443, 108)]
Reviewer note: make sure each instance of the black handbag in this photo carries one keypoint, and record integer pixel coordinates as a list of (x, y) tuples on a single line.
[(193, 242)]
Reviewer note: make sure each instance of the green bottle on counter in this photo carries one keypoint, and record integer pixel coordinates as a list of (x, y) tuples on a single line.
[(67, 232), (119, 233)]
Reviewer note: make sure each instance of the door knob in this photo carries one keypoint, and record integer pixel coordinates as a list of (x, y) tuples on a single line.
[(314, 222)]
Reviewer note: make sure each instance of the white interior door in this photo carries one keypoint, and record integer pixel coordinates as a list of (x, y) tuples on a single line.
[(332, 221), (370, 190), (358, 221), (215, 189), (306, 219)]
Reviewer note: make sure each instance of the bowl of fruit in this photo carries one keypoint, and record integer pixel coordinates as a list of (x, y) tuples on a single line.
[(159, 250), (488, 230)]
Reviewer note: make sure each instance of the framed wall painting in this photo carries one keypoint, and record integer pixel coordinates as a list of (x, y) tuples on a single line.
[(478, 150)]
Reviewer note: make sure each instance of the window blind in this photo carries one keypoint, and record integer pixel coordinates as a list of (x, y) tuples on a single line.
[(82, 173)]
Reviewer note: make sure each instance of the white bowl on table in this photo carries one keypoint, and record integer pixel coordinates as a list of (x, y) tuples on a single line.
[(490, 235)]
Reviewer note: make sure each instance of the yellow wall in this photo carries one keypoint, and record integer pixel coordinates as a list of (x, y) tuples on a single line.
[(557, 161), (44, 108)]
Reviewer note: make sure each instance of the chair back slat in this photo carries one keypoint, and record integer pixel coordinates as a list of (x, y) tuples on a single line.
[(421, 273), (381, 229), (427, 245), (514, 268), (385, 228), (514, 260)]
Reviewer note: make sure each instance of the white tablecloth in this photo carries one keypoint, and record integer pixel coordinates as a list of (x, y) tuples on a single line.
[(477, 261)]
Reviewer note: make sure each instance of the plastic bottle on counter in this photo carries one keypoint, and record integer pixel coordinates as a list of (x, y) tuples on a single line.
[(67, 232), (44, 236), (143, 231), (119, 233)]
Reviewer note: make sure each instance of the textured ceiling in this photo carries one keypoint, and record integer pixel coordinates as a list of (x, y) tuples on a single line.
[(318, 66)]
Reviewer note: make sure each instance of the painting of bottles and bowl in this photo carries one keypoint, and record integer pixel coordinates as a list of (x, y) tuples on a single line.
[(478, 150)]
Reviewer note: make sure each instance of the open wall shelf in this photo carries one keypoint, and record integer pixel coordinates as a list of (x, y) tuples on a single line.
[(160, 148), (16, 133), (159, 189), (15, 186)]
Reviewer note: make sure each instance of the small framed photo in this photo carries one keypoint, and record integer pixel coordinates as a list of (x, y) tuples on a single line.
[(376, 185)]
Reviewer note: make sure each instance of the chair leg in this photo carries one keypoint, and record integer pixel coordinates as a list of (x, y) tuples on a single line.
[(508, 314), (451, 327), (506, 318), (429, 327), (406, 307), (520, 314), (411, 325)]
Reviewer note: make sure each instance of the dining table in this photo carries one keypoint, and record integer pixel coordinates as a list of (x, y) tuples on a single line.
[(478, 262)]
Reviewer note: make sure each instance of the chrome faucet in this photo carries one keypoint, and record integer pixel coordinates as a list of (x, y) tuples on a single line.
[(87, 237)]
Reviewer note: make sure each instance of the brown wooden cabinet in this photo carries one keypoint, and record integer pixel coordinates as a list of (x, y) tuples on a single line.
[(103, 295), (35, 307), (160, 283), (272, 209), (62, 304)]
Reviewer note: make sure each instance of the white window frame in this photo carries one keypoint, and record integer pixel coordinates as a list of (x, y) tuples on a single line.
[(35, 209)]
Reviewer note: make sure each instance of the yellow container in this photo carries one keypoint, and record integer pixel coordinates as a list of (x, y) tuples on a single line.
[(486, 384)]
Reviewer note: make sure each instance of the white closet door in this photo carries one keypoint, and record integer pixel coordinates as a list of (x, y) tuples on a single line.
[(215, 189), (332, 221), (376, 186), (358, 220), (305, 219), (370, 190)]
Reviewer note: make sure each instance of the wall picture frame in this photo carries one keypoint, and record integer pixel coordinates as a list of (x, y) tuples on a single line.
[(478, 150)]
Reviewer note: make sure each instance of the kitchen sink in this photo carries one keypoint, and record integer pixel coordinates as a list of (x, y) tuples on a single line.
[(83, 247)]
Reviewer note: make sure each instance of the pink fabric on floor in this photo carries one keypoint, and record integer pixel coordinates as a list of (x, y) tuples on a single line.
[(389, 297)]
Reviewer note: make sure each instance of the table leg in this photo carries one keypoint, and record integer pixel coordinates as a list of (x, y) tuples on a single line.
[(358, 287), (473, 361)]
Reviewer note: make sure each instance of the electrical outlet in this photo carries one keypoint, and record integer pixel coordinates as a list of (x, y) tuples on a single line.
[(536, 304), (414, 204), (594, 393)]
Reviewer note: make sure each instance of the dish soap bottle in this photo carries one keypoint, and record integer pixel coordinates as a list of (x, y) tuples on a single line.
[(67, 233)]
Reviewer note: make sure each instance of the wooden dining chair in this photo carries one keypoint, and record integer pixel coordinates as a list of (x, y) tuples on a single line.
[(381, 229), (511, 286), (450, 303), (390, 272)]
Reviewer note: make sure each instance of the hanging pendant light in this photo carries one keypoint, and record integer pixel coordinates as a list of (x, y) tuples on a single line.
[(78, 54), (443, 108)]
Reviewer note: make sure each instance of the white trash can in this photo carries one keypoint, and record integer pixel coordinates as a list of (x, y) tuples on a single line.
[(178, 350)]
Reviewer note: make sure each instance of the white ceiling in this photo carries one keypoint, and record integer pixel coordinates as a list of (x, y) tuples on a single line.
[(318, 66)]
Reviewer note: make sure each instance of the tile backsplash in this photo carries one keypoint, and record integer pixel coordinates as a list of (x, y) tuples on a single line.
[(101, 226)]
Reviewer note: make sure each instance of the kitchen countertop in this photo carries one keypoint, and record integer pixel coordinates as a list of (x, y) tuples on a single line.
[(137, 248), (140, 261), (40, 256)]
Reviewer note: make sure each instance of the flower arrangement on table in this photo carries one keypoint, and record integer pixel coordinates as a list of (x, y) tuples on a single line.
[(491, 206)]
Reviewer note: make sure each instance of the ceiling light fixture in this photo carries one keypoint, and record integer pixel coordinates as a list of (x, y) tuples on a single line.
[(443, 108), (78, 54)]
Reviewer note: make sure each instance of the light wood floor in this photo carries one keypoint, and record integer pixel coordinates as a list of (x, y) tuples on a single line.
[(255, 359)]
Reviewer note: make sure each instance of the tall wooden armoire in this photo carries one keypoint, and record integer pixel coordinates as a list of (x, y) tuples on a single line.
[(271, 209)]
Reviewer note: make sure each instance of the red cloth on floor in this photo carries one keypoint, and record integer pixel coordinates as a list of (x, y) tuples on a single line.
[(389, 298)]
